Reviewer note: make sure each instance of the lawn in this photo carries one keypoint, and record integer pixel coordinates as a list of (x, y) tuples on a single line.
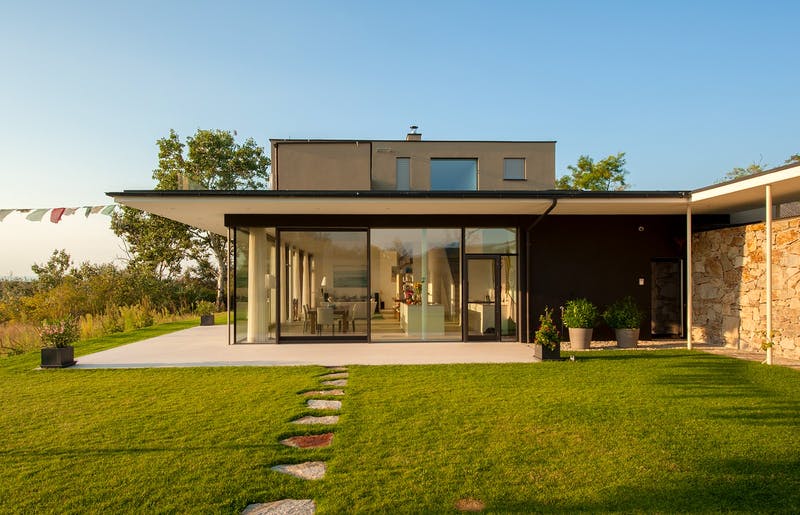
[(613, 431)]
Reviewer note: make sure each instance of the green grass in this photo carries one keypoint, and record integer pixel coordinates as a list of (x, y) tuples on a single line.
[(666, 431)]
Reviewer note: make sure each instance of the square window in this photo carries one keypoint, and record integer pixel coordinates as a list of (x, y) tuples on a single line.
[(514, 168)]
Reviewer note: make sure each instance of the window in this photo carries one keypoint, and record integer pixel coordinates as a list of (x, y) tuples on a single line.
[(514, 168), (454, 174), (403, 170)]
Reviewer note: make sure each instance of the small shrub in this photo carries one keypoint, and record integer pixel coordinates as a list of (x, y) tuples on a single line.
[(623, 314), (59, 333), (547, 335), (579, 313), (112, 321), (204, 307)]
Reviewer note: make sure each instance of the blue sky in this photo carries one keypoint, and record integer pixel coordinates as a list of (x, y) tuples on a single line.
[(687, 89)]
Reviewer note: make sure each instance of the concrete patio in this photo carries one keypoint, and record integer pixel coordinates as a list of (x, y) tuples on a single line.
[(206, 347)]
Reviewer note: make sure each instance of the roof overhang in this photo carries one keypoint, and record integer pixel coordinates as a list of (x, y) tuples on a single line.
[(207, 209), (748, 192)]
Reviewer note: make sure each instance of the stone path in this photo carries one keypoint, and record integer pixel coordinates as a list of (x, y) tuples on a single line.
[(307, 470), (318, 393), (310, 470), (309, 441), (325, 421), (335, 382), (321, 404), (284, 507)]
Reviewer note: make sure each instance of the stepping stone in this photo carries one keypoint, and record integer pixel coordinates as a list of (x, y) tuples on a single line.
[(282, 507), (309, 441), (336, 368), (316, 393), (307, 470), (326, 421), (320, 404), (470, 505), (335, 382), (340, 375)]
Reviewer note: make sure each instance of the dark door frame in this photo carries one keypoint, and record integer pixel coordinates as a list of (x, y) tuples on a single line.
[(497, 335)]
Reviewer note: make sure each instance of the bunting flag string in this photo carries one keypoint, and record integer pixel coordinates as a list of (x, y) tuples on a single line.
[(58, 213)]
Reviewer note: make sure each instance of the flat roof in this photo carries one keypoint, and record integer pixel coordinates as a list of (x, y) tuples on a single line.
[(206, 209), (324, 140)]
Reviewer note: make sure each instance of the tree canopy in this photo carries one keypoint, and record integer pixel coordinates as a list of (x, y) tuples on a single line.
[(754, 168), (587, 174), (211, 159)]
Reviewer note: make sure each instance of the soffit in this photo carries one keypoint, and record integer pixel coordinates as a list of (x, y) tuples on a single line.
[(749, 192), (207, 211)]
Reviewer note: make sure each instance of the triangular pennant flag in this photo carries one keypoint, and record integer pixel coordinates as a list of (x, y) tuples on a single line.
[(88, 211), (70, 211), (36, 215), (108, 210), (4, 213), (97, 209), (23, 210), (56, 214)]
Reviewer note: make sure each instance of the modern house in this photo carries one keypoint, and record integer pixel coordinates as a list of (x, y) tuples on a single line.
[(416, 240)]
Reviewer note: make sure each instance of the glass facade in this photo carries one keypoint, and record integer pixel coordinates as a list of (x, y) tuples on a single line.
[(378, 284), (417, 276), (324, 288), (254, 282)]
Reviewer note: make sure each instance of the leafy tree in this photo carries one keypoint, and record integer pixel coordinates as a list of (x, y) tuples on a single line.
[(754, 168), (52, 273), (211, 159), (605, 175)]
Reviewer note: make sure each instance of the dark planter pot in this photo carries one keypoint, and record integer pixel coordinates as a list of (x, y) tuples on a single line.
[(627, 338), (545, 354), (58, 357), (206, 319)]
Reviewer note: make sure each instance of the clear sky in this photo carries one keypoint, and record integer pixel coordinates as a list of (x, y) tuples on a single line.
[(687, 89)]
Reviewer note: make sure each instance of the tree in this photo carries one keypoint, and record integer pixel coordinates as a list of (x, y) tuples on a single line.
[(605, 175), (754, 168), (52, 273), (211, 159)]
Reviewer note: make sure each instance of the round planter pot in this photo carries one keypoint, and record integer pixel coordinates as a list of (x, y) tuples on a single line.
[(580, 338), (627, 338)]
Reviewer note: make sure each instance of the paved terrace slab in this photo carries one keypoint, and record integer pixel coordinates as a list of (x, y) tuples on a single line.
[(206, 346)]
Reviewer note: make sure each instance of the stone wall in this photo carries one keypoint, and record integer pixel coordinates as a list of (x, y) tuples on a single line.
[(729, 277)]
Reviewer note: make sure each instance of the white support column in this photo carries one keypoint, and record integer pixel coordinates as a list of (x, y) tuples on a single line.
[(256, 286), (689, 278), (295, 282), (306, 300), (768, 265), (314, 285), (228, 284)]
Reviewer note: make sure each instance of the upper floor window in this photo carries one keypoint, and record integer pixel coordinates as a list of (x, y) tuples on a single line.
[(454, 174), (514, 168), (403, 173)]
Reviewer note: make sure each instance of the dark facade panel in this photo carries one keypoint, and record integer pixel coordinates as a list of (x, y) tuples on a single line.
[(601, 258)]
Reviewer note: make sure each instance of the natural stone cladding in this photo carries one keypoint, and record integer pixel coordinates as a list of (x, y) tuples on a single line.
[(729, 277)]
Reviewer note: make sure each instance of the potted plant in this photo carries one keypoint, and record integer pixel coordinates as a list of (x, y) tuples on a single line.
[(579, 316), (624, 316), (205, 309), (546, 338), (57, 336)]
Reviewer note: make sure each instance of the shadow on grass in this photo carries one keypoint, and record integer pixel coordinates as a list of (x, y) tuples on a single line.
[(742, 486)]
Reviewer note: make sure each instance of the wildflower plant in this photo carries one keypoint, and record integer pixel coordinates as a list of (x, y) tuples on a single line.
[(59, 333)]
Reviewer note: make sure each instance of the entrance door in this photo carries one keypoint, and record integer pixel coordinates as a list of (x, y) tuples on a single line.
[(483, 295), (666, 298)]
